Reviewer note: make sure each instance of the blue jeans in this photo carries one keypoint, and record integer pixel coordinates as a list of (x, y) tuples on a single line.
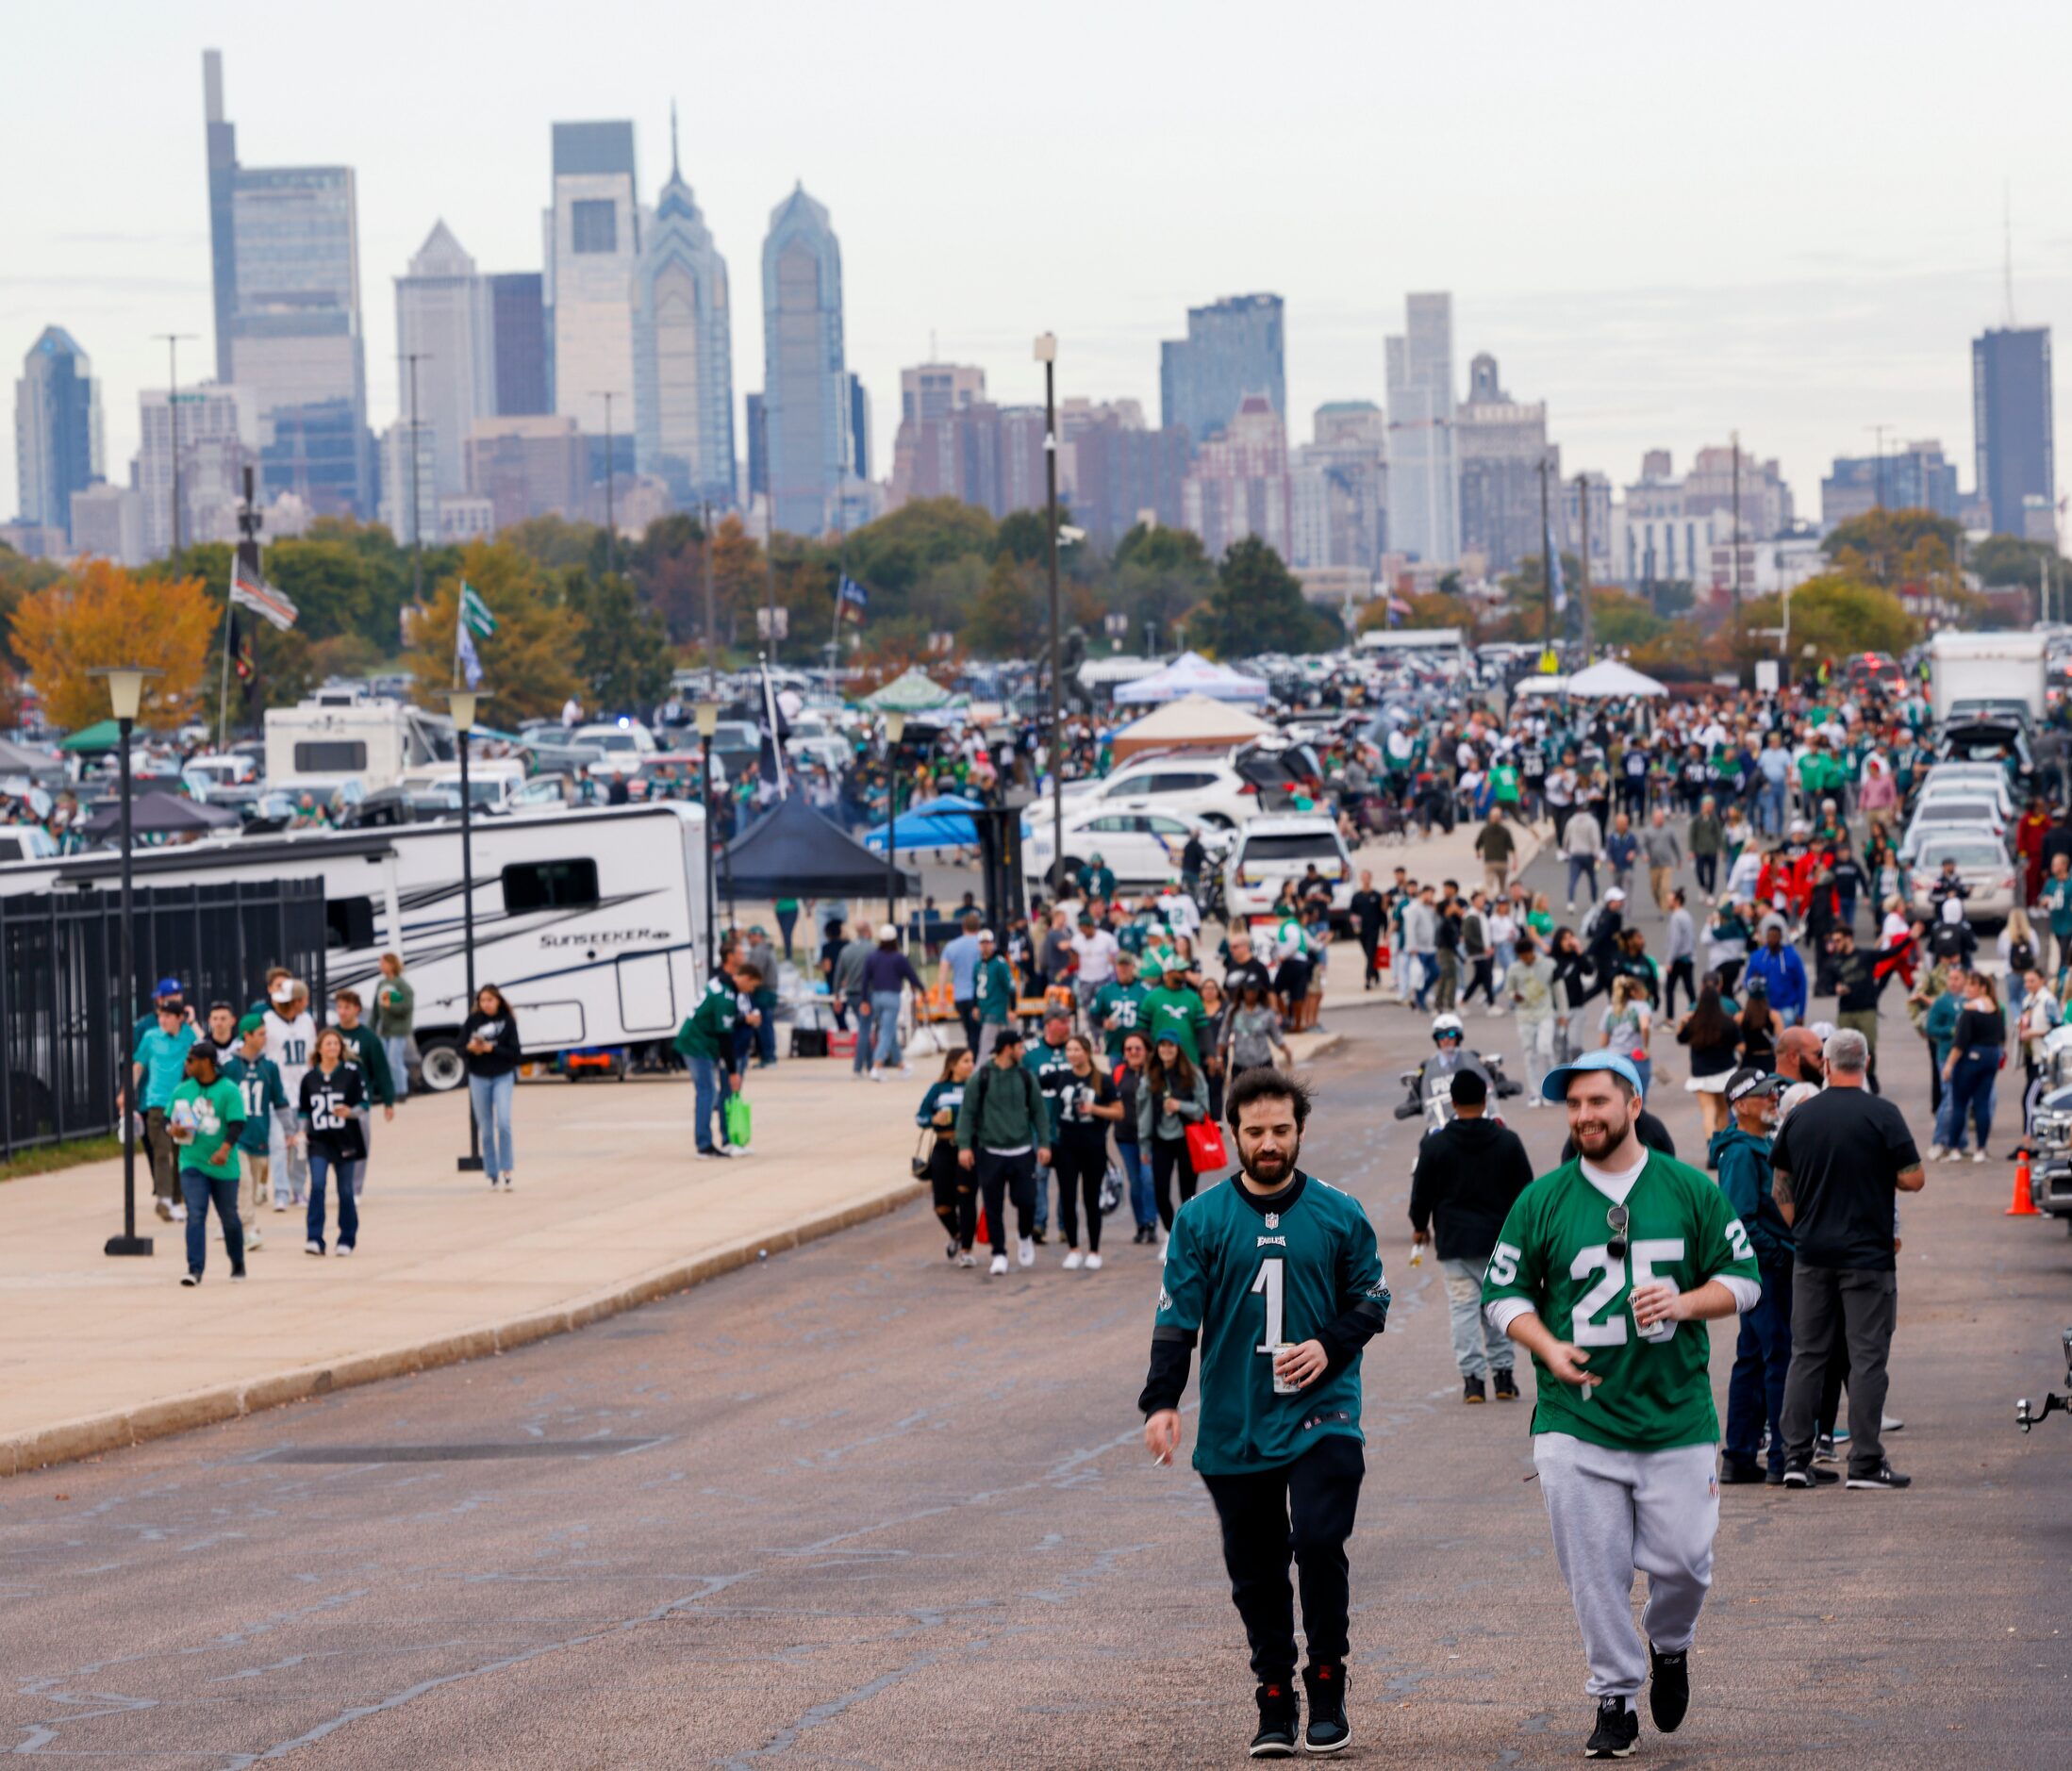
[(321, 1165), (1478, 1349), (1143, 1203), (1769, 807), (885, 1029), (492, 1096), (1645, 1068), (394, 1047), (198, 1189), (1969, 1091), (1755, 1392), (1428, 974), (860, 1004), (1583, 866), (709, 1079)]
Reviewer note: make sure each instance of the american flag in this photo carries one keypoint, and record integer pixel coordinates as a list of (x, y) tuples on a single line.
[(261, 597)]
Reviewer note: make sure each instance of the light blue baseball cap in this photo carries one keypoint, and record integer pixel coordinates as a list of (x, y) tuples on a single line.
[(1554, 1086)]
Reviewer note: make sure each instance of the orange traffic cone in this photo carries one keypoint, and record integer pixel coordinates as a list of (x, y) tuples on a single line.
[(2024, 1205)]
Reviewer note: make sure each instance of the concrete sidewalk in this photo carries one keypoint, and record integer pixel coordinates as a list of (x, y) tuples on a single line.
[(611, 1210)]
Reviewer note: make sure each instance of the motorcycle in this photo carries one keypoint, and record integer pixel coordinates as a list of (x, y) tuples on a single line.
[(2026, 1414), (1431, 1086)]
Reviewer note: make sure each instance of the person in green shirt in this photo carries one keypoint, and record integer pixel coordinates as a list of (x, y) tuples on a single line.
[(2056, 898), (1607, 1270), (159, 1068), (395, 1016), (1118, 1004), (206, 1120), (1171, 1010), (993, 992), (1100, 880), (258, 1080), (706, 1041)]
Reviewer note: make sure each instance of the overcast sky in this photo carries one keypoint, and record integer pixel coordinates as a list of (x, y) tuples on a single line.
[(1664, 220)]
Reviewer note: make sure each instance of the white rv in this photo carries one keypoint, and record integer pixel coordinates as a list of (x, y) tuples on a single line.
[(341, 734), (593, 922)]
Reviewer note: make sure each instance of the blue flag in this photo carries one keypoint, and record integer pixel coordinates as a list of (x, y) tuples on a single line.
[(851, 592), (470, 665)]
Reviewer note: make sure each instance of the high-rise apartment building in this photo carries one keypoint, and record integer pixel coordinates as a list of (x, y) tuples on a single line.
[(285, 252), (594, 238), (1672, 530), (1234, 347), (529, 465), (1502, 443), (976, 452), (1238, 484), (1591, 525), (758, 433), (925, 447), (808, 412), (682, 351), (1340, 489), (1423, 464), (1114, 471), (2011, 419), (518, 349), (859, 427), (109, 522), (409, 490), (443, 319), (1917, 476), (217, 432), (58, 445)]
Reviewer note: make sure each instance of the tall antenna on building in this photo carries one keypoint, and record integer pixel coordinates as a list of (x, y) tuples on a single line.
[(2007, 250), (675, 164)]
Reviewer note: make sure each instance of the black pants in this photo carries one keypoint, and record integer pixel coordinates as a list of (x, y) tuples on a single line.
[(1679, 968), (1708, 872), (967, 1018), (1080, 1159), (1829, 1303), (1168, 1157), (1729, 971), (1483, 979), (1370, 941), (951, 1186), (1000, 1176), (1302, 1510)]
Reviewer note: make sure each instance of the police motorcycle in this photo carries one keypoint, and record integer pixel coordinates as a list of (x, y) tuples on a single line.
[(2050, 1129), (2027, 1413), (1430, 1085)]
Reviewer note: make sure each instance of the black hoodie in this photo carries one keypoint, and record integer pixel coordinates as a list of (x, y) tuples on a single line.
[(1470, 1174)]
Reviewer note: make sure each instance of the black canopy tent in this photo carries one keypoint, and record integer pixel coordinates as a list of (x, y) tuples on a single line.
[(160, 814), (795, 852)]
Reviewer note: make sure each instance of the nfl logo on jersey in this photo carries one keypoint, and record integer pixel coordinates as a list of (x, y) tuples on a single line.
[(1273, 1220)]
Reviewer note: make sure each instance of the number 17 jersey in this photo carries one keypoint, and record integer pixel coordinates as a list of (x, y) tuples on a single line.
[(1249, 1274)]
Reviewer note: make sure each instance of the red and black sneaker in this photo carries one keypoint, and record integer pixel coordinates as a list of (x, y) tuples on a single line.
[(1280, 1717), (1328, 1730)]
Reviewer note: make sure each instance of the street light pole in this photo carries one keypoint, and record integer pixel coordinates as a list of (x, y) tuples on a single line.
[(126, 691), (464, 701), (417, 506), (1045, 354), (708, 713), (895, 729)]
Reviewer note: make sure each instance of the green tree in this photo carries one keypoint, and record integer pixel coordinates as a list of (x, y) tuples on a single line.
[(1157, 576), (623, 652), (1619, 620), (557, 543), (336, 589), (529, 662), (1257, 606), (890, 556), (1834, 614), (1025, 536), (1888, 546), (1011, 618)]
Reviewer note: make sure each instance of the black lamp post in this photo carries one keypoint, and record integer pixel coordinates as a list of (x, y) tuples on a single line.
[(895, 729), (708, 713), (125, 694), (463, 701)]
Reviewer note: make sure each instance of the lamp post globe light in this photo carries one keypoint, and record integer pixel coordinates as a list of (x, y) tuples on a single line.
[(125, 695), (464, 704), (895, 729), (707, 715)]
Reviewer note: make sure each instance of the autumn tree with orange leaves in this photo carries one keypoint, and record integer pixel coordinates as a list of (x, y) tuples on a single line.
[(99, 614)]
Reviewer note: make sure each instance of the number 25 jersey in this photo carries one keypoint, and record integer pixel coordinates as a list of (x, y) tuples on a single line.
[(1555, 1254), (1249, 1274)]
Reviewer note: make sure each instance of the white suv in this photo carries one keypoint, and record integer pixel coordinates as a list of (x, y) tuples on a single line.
[(1142, 845), (1270, 850), (1208, 788)]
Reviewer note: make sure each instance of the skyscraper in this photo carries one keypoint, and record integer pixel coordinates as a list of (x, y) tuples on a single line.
[(1501, 442), (1423, 466), (859, 427), (217, 433), (56, 429), (285, 252), (1340, 488), (806, 402), (518, 328), (682, 350), (2011, 417), (594, 230), (1234, 347), (1239, 483), (443, 317), (1916, 476)]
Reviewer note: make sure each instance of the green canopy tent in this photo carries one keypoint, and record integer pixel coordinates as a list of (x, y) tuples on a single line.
[(103, 736), (911, 692)]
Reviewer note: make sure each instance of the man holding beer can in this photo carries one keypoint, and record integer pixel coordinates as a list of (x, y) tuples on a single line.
[(1278, 1276), (1606, 1272)]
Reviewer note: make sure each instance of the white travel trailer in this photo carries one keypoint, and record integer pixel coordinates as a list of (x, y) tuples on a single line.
[(341, 734), (591, 922)]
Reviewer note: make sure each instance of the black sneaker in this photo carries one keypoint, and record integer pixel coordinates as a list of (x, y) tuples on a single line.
[(1041, 1238), (190, 1279), (1810, 1476), (1733, 1472), (1617, 1731), (1669, 1687), (1885, 1476), (1823, 1448), (1471, 1390), (1328, 1730), (1280, 1720), (1774, 1478), (1507, 1385)]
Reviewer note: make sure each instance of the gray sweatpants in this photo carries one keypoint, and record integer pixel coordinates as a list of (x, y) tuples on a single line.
[(1617, 1511)]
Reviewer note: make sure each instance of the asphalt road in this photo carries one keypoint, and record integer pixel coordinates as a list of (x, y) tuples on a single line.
[(856, 1507)]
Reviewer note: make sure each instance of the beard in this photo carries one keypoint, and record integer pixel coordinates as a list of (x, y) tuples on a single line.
[(1598, 1138), (1271, 1168)]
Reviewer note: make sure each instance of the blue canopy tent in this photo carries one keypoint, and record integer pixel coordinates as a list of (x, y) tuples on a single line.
[(938, 823)]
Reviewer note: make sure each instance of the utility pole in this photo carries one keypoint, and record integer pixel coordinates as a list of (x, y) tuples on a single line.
[(1737, 531), (611, 528), (1878, 442), (1045, 354), (712, 616), (417, 507), (1547, 563), (1582, 506), (770, 527), (173, 343)]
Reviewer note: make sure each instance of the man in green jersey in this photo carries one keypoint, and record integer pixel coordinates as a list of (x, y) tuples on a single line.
[(1169, 1009), (1279, 1277), (1117, 1004), (1606, 1270), (993, 989), (204, 1119)]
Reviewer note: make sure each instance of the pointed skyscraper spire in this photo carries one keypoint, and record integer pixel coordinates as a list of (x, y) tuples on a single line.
[(675, 165)]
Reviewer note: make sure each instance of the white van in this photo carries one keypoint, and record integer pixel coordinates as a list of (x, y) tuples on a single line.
[(1273, 850)]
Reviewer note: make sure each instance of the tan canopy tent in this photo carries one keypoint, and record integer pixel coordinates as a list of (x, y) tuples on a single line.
[(1193, 722)]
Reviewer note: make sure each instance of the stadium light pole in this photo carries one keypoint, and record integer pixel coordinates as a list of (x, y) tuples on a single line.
[(464, 703), (1045, 354), (125, 694)]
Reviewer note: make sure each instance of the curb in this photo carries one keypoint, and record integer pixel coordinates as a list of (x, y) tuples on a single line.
[(70, 1440)]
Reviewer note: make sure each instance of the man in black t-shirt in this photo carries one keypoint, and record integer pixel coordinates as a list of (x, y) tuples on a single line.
[(1841, 1159), (1368, 910), (1244, 967)]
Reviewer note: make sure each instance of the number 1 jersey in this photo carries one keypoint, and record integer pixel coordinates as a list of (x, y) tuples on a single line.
[(1248, 1275)]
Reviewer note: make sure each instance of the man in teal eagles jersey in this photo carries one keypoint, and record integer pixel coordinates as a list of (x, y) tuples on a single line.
[(1606, 1270), (1116, 1005), (1279, 1277)]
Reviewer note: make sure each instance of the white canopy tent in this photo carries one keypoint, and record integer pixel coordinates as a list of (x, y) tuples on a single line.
[(1105, 672), (1190, 674), (1612, 681), (1192, 723)]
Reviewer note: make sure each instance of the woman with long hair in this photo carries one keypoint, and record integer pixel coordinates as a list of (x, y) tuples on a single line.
[(490, 1040), (1715, 1042), (1971, 1072), (1627, 1023), (955, 1202), (1170, 1097), (1128, 1076), (1086, 1106), (1211, 1037), (1760, 1026), (333, 1095)]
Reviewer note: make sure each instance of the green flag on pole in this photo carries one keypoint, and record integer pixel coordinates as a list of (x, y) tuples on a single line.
[(476, 612)]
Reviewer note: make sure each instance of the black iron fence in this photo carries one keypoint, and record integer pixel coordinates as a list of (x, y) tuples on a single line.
[(66, 1031)]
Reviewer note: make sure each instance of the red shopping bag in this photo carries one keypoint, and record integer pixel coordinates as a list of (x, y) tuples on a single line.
[(1206, 1148)]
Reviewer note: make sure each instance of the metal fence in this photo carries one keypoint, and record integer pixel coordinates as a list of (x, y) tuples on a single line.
[(66, 1031)]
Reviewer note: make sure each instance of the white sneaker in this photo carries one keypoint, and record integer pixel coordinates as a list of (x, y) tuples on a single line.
[(343, 1250), (509, 1182), (179, 1214), (1953, 1154), (1025, 1252), (1936, 1152), (1889, 1424), (1163, 1239), (253, 1238), (312, 1247), (999, 1267), (280, 1205), (967, 1258), (1093, 1264), (1073, 1260), (1978, 1155), (164, 1209)]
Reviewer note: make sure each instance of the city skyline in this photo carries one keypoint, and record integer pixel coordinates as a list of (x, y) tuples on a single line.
[(1832, 305)]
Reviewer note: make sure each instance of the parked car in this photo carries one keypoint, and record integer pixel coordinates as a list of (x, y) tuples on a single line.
[(1982, 863), (1271, 850), (626, 745), (1141, 843)]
